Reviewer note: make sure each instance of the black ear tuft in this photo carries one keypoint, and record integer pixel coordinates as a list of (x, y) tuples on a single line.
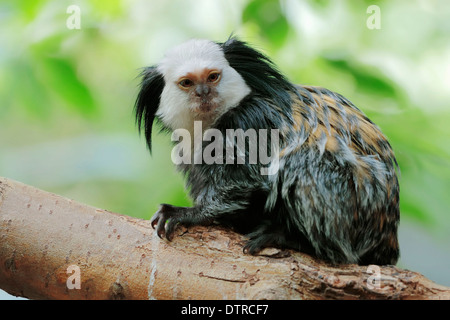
[(147, 101), (258, 71)]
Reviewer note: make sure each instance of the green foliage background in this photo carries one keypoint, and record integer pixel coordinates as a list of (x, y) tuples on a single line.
[(66, 96)]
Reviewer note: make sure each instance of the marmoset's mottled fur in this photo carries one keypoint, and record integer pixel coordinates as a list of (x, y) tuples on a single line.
[(335, 194)]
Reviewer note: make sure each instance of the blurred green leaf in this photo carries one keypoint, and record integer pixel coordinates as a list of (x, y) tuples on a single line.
[(321, 3), (418, 175), (29, 9), (25, 90), (61, 78), (410, 207), (367, 79), (111, 8), (268, 16)]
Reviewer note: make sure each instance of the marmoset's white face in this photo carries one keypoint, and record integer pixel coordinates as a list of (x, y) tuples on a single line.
[(199, 85)]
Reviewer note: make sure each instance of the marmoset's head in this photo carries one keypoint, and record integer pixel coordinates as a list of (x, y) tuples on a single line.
[(199, 84), (202, 80)]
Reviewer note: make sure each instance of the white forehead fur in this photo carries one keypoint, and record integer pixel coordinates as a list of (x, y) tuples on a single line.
[(193, 55), (175, 109)]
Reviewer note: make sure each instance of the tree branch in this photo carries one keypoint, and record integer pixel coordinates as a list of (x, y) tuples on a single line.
[(45, 237)]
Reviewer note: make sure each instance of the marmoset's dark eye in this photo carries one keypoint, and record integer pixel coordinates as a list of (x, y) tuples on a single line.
[(186, 83), (214, 77)]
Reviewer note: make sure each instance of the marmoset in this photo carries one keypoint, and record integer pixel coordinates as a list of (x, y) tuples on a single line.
[(331, 189)]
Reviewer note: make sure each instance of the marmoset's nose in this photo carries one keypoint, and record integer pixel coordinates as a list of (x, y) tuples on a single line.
[(202, 90)]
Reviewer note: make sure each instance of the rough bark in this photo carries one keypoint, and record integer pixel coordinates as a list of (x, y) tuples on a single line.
[(43, 235)]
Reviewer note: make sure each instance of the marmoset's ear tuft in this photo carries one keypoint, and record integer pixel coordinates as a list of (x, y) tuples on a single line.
[(148, 100)]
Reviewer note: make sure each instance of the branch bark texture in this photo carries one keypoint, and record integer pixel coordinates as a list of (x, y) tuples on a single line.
[(48, 242)]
